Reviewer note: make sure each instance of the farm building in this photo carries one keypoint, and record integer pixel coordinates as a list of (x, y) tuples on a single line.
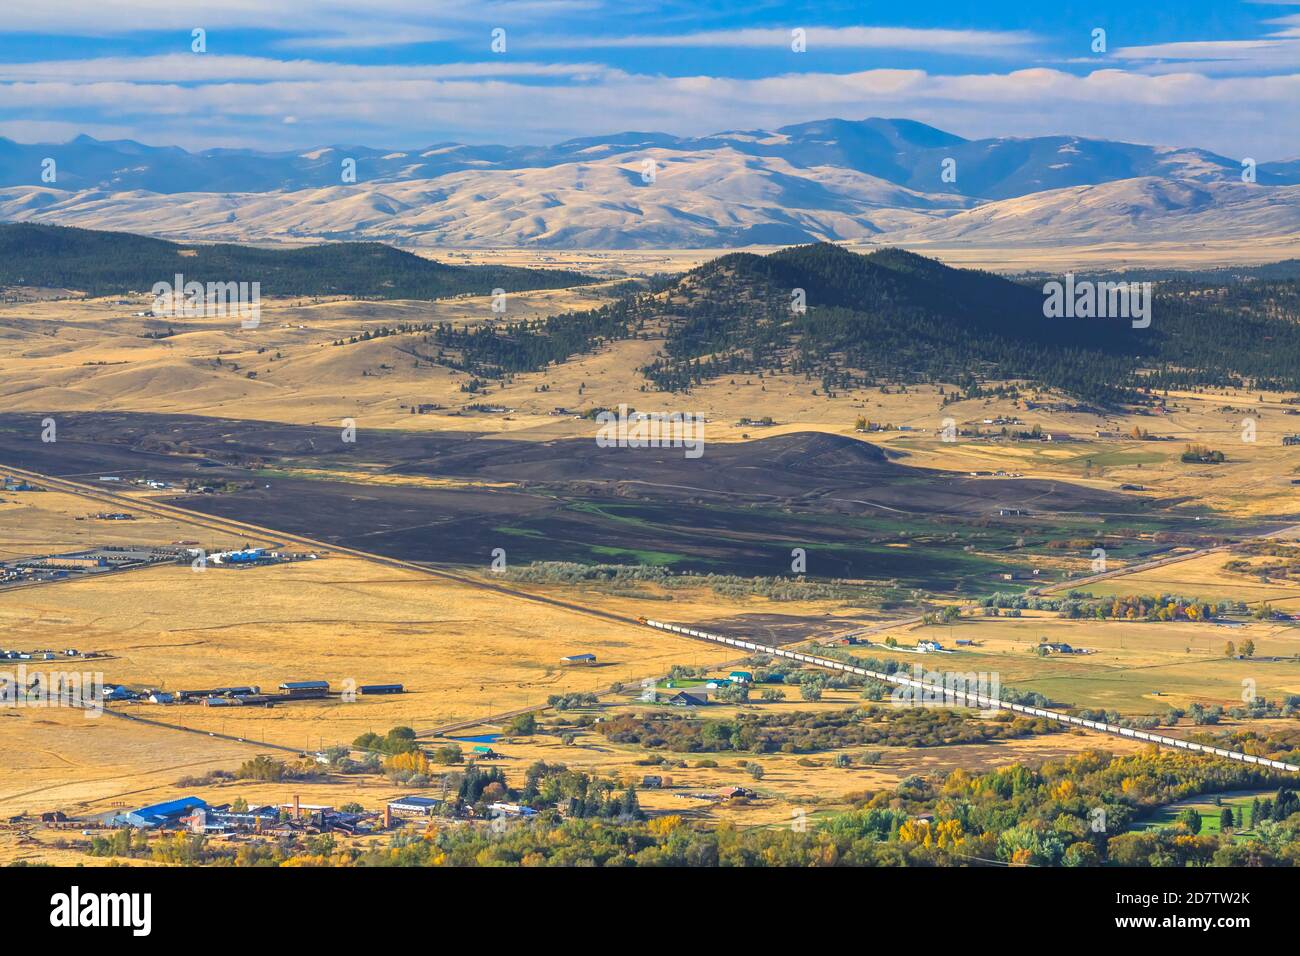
[(926, 647), (381, 689), (159, 814), (414, 806), (742, 677), (579, 659), (224, 819), (686, 699), (1053, 647), (305, 688), (217, 692), (247, 556)]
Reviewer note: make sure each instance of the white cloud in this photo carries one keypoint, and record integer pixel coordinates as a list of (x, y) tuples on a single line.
[(411, 106), (178, 68), (1279, 49), (98, 18), (969, 42), (402, 35)]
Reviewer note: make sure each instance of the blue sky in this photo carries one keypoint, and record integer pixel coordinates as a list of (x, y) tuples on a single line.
[(403, 73)]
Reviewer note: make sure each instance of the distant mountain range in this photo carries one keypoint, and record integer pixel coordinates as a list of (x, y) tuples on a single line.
[(830, 179)]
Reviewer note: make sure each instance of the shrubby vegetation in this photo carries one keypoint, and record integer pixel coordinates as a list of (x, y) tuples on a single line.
[(396, 741), (805, 732), (728, 585), (1132, 607)]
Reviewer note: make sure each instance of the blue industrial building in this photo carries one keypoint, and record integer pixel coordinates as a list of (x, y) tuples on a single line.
[(159, 814)]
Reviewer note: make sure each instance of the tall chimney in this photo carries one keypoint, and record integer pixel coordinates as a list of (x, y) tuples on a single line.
[(297, 807), (388, 817)]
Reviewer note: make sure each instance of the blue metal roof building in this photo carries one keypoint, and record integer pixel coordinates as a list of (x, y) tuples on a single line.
[(159, 814)]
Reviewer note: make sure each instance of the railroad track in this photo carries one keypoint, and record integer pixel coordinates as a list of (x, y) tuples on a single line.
[(975, 700), (231, 526), (243, 528)]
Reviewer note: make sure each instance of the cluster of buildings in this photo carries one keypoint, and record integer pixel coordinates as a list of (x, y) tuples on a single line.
[(90, 561), (698, 695), (1060, 647), (10, 483), (250, 557), (196, 815), (45, 654), (247, 696)]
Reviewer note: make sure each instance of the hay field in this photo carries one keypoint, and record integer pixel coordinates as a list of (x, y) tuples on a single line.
[(1203, 577), (50, 522), (462, 652), (57, 758), (1138, 668)]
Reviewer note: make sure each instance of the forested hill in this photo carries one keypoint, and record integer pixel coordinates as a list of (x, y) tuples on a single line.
[(112, 263), (893, 316)]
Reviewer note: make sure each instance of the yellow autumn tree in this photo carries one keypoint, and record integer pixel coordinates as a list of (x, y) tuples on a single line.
[(664, 826), (1065, 790), (914, 831), (414, 761)]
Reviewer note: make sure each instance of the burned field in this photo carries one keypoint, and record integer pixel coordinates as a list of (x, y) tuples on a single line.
[(741, 509)]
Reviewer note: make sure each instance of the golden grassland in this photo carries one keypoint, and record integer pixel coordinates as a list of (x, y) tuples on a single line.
[(1204, 577), (465, 653), (51, 522), (59, 758), (1063, 257), (1055, 257), (789, 781), (92, 766), (91, 355), (1137, 668), (462, 652), (343, 618)]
